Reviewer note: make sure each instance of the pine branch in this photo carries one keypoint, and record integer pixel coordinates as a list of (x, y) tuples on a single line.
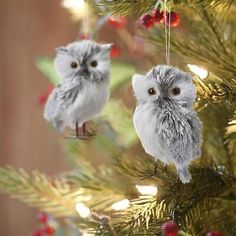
[(39, 191), (212, 90), (138, 7), (186, 204)]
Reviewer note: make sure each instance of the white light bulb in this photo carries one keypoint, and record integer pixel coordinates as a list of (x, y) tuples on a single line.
[(73, 4), (120, 205), (147, 190), (87, 234), (82, 210), (200, 72)]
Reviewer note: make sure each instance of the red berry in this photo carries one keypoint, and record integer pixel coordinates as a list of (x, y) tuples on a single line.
[(42, 217), (48, 230), (41, 99), (115, 52), (214, 233), (37, 233), (170, 229), (158, 15), (172, 18), (117, 22), (147, 21)]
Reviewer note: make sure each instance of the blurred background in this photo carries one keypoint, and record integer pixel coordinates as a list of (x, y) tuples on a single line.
[(29, 28)]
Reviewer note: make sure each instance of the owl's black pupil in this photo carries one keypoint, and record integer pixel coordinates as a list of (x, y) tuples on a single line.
[(74, 64), (94, 63), (152, 91), (176, 91)]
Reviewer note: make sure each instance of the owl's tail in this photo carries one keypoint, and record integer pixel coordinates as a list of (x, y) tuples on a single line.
[(184, 174)]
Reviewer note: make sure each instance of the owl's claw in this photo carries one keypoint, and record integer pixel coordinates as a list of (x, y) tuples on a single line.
[(75, 137), (85, 134), (91, 133), (88, 133)]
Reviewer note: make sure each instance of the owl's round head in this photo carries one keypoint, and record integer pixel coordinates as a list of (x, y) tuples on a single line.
[(84, 59), (164, 84)]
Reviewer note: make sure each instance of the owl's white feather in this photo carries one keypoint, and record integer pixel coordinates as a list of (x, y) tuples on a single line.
[(164, 119), (83, 90)]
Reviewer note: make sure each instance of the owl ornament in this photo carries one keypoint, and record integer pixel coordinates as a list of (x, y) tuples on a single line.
[(83, 91), (164, 118)]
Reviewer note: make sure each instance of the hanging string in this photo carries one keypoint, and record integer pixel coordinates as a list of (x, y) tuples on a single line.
[(167, 32), (85, 20), (83, 28), (168, 51)]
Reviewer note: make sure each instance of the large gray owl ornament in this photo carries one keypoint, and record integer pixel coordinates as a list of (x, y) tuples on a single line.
[(83, 90), (164, 119)]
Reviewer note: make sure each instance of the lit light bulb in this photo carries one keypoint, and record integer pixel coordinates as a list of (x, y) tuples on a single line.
[(147, 190), (78, 8), (82, 210), (200, 72), (87, 234), (73, 4), (120, 205)]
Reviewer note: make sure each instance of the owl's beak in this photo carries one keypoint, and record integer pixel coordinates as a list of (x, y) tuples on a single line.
[(159, 101), (83, 70)]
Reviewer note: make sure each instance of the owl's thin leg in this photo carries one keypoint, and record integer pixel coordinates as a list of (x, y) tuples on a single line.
[(84, 129), (154, 173), (77, 134), (77, 129)]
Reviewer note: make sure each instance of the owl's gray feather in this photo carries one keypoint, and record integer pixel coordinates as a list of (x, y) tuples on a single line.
[(165, 121), (61, 98), (83, 68)]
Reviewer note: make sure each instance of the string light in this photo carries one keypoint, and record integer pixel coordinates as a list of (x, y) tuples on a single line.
[(200, 72), (147, 190), (82, 210), (120, 205)]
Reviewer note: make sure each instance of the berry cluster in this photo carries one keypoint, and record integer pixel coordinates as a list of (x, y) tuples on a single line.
[(45, 229), (157, 16)]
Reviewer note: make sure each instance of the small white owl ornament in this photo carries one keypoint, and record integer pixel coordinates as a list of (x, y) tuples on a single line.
[(164, 119), (83, 91)]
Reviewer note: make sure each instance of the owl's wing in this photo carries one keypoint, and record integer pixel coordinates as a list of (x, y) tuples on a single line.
[(196, 126), (175, 137), (59, 100)]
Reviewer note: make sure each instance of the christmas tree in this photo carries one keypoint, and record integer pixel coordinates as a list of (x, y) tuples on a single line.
[(115, 198)]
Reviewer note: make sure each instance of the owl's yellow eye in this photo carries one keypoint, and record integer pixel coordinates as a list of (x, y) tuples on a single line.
[(175, 91), (74, 65), (151, 91), (94, 63)]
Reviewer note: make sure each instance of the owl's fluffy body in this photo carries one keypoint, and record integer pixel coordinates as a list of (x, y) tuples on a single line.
[(83, 91), (166, 124)]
